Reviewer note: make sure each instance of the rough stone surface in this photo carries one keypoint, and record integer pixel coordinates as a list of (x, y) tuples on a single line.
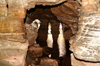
[(11, 26), (11, 22), (3, 11), (29, 3), (37, 50), (92, 5), (16, 13), (31, 34), (48, 62), (75, 62), (3, 2), (12, 53), (13, 47), (85, 44), (66, 12), (12, 29), (3, 8), (16, 3), (33, 55), (32, 3)]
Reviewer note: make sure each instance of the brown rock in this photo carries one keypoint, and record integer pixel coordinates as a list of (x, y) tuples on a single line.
[(66, 12), (12, 53), (73, 27), (3, 11), (12, 29), (48, 62), (43, 2), (33, 65), (75, 62), (3, 2), (85, 44), (31, 34), (36, 50), (16, 3), (16, 13)]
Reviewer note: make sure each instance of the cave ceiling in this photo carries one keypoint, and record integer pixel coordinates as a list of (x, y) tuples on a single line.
[(67, 11)]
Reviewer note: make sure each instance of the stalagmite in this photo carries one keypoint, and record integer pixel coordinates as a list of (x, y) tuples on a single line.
[(36, 23), (49, 38), (61, 42), (32, 31)]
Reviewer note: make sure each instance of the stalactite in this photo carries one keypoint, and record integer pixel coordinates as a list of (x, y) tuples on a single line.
[(61, 42), (49, 38)]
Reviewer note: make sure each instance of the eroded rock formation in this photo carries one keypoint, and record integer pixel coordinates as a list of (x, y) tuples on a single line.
[(68, 13), (45, 16), (85, 44), (13, 44)]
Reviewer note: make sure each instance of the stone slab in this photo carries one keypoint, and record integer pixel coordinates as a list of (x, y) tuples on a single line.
[(11, 25), (12, 53), (75, 62), (48, 62), (16, 3), (16, 13)]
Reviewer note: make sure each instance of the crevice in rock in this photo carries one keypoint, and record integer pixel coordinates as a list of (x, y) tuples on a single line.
[(45, 15)]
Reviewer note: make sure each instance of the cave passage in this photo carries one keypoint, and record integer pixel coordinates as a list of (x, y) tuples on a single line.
[(45, 15)]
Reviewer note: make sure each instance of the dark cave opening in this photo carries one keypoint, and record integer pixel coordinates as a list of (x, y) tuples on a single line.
[(45, 15)]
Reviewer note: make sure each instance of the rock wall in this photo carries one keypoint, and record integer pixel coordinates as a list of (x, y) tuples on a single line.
[(76, 62), (66, 12), (45, 15), (13, 45), (85, 44)]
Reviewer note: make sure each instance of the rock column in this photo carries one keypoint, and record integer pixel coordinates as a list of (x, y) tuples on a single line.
[(13, 45), (85, 45)]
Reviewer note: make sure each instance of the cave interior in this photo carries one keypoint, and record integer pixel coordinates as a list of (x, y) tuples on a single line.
[(62, 13), (49, 32)]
